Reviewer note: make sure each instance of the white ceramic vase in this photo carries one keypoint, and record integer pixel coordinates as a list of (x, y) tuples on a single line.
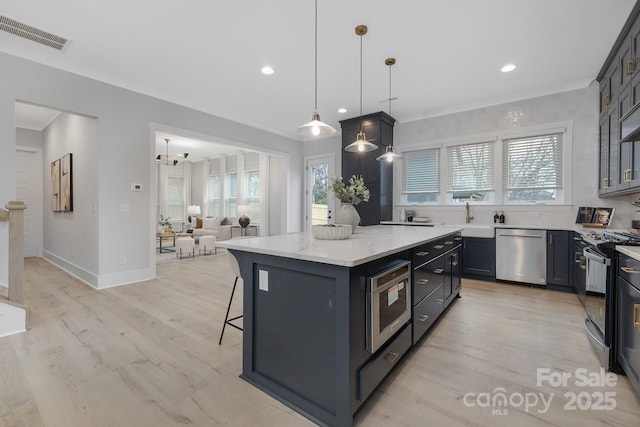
[(347, 214)]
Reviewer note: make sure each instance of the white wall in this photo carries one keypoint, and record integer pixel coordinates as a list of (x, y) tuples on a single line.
[(580, 107), (29, 138), (71, 238), (125, 155)]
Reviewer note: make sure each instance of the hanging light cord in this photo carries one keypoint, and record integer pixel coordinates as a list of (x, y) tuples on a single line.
[(390, 89), (316, 59), (361, 83)]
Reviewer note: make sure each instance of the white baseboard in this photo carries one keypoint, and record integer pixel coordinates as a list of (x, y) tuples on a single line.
[(79, 273)]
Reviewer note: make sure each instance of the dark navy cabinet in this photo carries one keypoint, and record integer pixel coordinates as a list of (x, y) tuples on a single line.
[(378, 176), (437, 270), (628, 318), (479, 258), (559, 259)]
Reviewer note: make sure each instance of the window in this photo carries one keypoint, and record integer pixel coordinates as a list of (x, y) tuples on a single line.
[(214, 207), (421, 176), (470, 172), (252, 194), (251, 185), (230, 194), (213, 194), (532, 168), (175, 198)]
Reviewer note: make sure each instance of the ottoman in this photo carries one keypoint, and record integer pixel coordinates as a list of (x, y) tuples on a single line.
[(207, 244), (185, 246)]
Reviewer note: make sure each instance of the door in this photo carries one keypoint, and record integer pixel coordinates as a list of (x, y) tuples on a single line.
[(320, 203), (29, 190)]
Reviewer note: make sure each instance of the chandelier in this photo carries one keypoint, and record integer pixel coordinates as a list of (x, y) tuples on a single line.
[(170, 160)]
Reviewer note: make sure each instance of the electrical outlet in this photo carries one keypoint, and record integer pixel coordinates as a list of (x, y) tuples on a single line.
[(122, 260)]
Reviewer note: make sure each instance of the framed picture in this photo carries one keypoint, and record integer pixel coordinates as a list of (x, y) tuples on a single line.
[(62, 184)]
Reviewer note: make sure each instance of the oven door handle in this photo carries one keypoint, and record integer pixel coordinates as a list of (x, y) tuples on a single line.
[(594, 256), (587, 321)]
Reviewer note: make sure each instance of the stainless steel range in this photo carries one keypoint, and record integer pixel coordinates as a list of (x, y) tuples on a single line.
[(598, 296)]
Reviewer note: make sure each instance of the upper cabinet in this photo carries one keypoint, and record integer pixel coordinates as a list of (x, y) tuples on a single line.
[(378, 176), (619, 79)]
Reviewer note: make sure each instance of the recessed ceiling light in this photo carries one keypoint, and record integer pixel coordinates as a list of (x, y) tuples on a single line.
[(507, 68), (267, 70), (342, 110)]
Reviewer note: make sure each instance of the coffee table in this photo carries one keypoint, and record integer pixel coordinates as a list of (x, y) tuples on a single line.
[(163, 236)]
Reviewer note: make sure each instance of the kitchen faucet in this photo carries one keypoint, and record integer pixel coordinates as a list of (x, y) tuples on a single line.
[(468, 218)]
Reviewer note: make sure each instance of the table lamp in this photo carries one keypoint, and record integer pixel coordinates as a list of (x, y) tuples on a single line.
[(192, 210)]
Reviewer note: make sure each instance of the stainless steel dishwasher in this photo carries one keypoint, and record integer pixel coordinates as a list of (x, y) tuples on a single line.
[(521, 255)]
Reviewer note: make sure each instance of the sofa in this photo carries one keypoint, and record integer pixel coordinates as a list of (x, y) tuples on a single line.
[(219, 227)]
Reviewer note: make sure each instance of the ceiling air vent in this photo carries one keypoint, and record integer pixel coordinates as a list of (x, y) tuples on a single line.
[(32, 33)]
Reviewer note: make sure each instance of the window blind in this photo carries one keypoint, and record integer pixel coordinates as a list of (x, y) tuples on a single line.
[(421, 171), (471, 167), (533, 163), (214, 167)]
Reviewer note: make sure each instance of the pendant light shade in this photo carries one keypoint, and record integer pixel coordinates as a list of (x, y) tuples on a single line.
[(389, 154), (316, 127), (361, 145)]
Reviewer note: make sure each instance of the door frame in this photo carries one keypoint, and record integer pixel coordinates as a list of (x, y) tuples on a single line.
[(329, 158), (37, 210)]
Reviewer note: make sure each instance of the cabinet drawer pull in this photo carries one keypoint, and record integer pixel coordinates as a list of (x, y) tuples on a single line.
[(438, 270), (605, 182), (636, 315), (583, 263), (631, 66), (606, 99), (391, 356), (439, 300), (423, 318), (438, 247), (422, 253), (627, 175), (629, 270), (576, 258), (423, 281), (454, 259)]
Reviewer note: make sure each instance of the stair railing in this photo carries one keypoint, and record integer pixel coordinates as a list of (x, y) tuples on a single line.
[(14, 214)]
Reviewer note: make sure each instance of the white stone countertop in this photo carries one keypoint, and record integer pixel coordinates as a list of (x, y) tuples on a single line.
[(632, 251), (366, 244)]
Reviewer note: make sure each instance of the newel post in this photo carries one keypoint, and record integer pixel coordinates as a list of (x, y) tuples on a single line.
[(16, 250)]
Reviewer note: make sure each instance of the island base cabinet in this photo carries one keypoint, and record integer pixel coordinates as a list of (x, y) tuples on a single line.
[(375, 370), (629, 331), (426, 312)]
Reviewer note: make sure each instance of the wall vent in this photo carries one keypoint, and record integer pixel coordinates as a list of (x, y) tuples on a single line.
[(32, 33)]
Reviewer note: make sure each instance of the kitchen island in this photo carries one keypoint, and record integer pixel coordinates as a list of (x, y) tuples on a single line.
[(305, 313)]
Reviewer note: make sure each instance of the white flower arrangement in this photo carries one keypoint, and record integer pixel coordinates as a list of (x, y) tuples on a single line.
[(354, 193)]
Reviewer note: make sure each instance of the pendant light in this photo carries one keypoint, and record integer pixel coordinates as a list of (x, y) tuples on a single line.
[(389, 154), (361, 145), (316, 127)]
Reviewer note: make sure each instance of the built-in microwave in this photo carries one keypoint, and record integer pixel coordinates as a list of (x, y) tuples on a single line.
[(388, 304)]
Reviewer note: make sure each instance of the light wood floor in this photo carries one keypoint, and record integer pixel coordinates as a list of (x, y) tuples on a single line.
[(147, 355)]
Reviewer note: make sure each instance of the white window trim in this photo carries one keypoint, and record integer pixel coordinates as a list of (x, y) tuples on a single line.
[(565, 127)]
